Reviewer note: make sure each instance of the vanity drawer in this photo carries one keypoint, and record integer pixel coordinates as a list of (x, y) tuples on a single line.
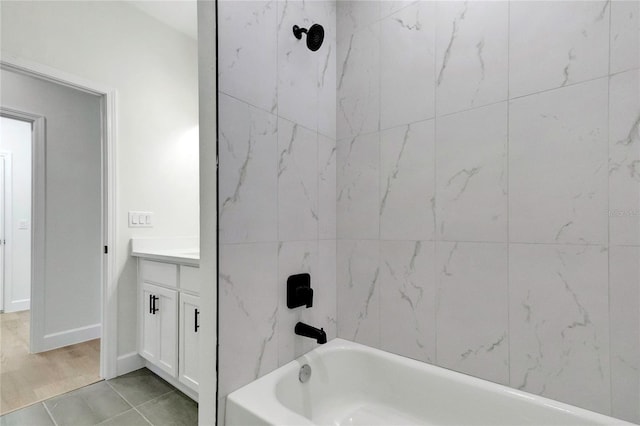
[(190, 279), (159, 273)]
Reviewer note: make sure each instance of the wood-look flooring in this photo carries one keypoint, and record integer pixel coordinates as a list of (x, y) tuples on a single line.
[(28, 378)]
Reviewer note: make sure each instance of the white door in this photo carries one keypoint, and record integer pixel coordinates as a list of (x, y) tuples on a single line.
[(189, 340), (2, 233)]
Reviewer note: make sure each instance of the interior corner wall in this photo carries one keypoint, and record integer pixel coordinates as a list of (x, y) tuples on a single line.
[(153, 68), (276, 183), (488, 191), (16, 141)]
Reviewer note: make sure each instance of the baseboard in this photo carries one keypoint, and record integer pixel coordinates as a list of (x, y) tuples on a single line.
[(70, 337), (17, 305), (128, 363)]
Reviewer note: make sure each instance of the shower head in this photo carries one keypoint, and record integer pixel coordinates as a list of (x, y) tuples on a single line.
[(315, 35)]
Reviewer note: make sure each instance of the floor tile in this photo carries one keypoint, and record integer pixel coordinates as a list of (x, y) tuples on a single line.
[(34, 415), (128, 418), (173, 409), (140, 386), (87, 406)]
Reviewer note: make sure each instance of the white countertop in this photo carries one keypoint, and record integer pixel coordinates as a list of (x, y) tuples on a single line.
[(185, 251)]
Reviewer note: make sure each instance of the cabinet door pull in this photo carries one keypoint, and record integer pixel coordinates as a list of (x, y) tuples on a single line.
[(154, 308), (196, 326), (151, 303)]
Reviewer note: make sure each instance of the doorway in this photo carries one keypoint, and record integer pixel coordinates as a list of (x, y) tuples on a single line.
[(15, 214), (70, 195)]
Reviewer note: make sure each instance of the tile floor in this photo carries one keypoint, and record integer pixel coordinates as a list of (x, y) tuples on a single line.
[(139, 398)]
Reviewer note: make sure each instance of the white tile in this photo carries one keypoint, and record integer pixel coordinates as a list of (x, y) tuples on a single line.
[(472, 309), (358, 183), (327, 74), (406, 68), (221, 409), (325, 294), (389, 7), (248, 313), (353, 15), (296, 257), (625, 35), (326, 188), (358, 290), (318, 259), (407, 299), (624, 282), (624, 158), (556, 43), (248, 173), (298, 67), (247, 58), (472, 175), (358, 83), (407, 187), (558, 165), (471, 54), (559, 323), (297, 182)]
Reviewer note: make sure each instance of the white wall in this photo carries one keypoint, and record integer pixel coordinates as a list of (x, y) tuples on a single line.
[(154, 70), (15, 139)]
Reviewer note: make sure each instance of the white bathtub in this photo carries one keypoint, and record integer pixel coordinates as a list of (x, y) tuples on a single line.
[(352, 384)]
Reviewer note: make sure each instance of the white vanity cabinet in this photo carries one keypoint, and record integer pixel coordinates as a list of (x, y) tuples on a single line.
[(169, 320)]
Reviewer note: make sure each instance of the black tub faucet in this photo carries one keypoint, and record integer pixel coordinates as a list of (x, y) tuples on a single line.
[(306, 330)]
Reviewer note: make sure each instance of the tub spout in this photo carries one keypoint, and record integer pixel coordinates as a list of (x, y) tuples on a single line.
[(306, 330)]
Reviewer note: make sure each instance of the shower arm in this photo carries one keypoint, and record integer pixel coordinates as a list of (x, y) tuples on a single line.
[(297, 31)]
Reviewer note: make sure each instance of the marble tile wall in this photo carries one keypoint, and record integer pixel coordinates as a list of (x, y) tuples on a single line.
[(488, 191), (461, 179), (277, 182)]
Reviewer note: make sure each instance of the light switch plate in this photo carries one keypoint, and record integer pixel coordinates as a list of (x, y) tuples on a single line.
[(139, 219)]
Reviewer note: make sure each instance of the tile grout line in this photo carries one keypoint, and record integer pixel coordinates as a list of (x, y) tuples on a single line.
[(436, 237), (49, 413), (608, 163), (593, 244), (277, 314), (133, 406), (508, 197), (506, 100), (380, 176)]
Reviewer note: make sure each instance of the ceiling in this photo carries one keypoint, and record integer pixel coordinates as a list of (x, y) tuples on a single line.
[(178, 14)]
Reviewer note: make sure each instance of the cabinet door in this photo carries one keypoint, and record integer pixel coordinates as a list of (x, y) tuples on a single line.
[(189, 340), (148, 339), (158, 340), (167, 311)]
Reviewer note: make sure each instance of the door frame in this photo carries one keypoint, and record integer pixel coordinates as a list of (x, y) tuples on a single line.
[(109, 295), (7, 217)]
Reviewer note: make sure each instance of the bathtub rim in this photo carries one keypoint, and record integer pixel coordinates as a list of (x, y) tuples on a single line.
[(259, 397)]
